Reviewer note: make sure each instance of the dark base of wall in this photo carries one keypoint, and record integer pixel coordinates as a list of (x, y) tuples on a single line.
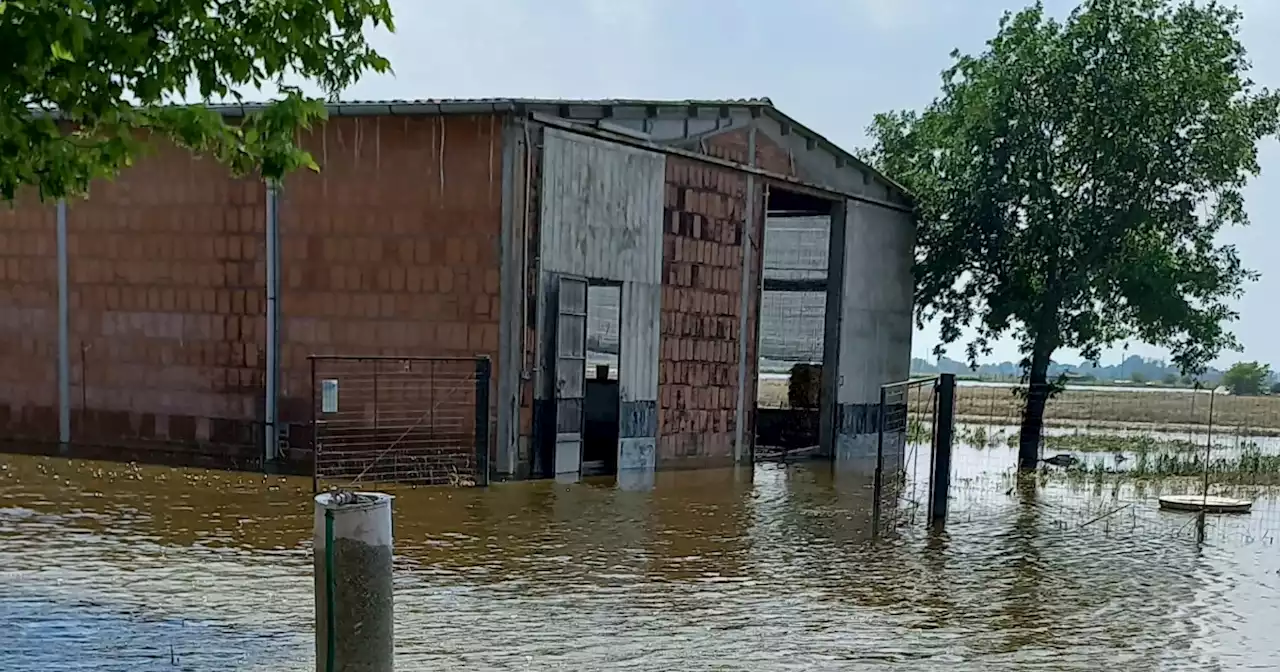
[(542, 447), (694, 462), (786, 428), (230, 458), (865, 418), (858, 418)]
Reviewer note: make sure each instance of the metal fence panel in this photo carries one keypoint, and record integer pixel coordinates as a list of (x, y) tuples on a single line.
[(414, 420), (906, 445)]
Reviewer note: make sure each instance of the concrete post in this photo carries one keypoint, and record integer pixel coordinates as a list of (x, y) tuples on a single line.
[(354, 616)]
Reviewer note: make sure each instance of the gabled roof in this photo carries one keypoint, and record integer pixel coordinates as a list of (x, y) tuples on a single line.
[(604, 108)]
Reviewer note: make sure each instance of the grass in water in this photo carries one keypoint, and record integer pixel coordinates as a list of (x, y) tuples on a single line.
[(1115, 443), (1250, 467)]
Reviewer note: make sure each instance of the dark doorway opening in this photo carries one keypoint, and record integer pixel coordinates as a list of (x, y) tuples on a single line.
[(601, 421), (797, 287)]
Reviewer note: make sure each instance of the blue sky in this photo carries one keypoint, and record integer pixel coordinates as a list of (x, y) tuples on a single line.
[(832, 64)]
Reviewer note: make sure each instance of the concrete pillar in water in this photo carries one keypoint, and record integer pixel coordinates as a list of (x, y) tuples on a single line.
[(354, 620)]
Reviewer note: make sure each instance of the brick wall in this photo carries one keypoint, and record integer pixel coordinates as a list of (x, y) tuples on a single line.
[(28, 320), (734, 145), (165, 277), (774, 158), (701, 308), (392, 249)]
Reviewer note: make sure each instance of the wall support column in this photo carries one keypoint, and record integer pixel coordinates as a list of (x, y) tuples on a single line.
[(829, 411), (740, 453), (64, 338)]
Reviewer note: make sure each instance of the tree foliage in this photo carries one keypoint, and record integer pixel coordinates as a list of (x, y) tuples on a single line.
[(84, 83), (1073, 177), (1247, 379)]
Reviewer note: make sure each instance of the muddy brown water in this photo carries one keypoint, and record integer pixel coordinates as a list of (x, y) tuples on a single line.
[(114, 567)]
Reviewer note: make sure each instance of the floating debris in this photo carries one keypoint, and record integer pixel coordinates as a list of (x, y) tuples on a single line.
[(1206, 503)]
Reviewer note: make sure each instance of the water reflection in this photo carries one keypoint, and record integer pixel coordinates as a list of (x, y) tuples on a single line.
[(113, 567)]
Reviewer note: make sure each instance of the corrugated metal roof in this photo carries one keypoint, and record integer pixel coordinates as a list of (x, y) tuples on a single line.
[(451, 104), (430, 106)]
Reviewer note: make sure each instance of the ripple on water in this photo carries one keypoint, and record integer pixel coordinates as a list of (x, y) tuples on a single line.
[(708, 571)]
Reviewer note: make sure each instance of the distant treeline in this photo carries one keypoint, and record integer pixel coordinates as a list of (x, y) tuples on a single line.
[(1132, 369)]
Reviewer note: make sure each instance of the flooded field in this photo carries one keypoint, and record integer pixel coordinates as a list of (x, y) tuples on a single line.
[(113, 567)]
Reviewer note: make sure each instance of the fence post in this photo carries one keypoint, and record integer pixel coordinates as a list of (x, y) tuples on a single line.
[(943, 437), (483, 374)]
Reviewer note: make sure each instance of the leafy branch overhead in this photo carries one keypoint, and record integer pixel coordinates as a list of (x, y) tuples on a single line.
[(1073, 179), (83, 83)]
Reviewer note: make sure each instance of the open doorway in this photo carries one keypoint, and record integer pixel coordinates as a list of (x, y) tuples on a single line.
[(793, 321), (600, 429)]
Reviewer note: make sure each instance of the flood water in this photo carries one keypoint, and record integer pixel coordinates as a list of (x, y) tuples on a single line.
[(113, 567)]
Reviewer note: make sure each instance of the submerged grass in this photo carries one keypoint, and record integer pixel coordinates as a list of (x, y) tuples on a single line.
[(1250, 467), (1116, 443), (1173, 407), (920, 430)]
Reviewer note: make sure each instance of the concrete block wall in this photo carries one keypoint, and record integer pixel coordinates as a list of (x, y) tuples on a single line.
[(391, 249), (704, 229), (28, 320)]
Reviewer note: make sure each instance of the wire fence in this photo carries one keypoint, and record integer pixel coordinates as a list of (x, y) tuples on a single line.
[(1105, 457), (906, 442), (412, 420)]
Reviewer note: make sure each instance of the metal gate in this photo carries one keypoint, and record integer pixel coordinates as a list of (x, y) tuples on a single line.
[(415, 420), (913, 452)]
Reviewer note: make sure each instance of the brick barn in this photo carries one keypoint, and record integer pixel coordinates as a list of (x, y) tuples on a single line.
[(487, 235)]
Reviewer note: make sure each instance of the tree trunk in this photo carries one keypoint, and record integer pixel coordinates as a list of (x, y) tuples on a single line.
[(1033, 411)]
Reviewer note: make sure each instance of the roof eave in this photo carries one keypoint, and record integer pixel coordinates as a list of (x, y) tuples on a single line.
[(820, 140)]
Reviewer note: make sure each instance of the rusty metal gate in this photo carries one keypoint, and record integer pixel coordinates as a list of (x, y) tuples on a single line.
[(414, 420)]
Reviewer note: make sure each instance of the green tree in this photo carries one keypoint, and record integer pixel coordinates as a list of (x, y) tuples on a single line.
[(1170, 379), (1071, 180), (1246, 379), (84, 83)]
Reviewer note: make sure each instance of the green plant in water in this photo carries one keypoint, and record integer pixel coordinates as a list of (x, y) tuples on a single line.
[(1251, 466), (973, 436), (918, 431), (1113, 443)]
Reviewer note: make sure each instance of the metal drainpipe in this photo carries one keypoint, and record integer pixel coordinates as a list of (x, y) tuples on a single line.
[(271, 433), (64, 338), (739, 452)]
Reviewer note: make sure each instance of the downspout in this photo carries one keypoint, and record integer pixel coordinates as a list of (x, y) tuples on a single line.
[(740, 455), (271, 432)]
